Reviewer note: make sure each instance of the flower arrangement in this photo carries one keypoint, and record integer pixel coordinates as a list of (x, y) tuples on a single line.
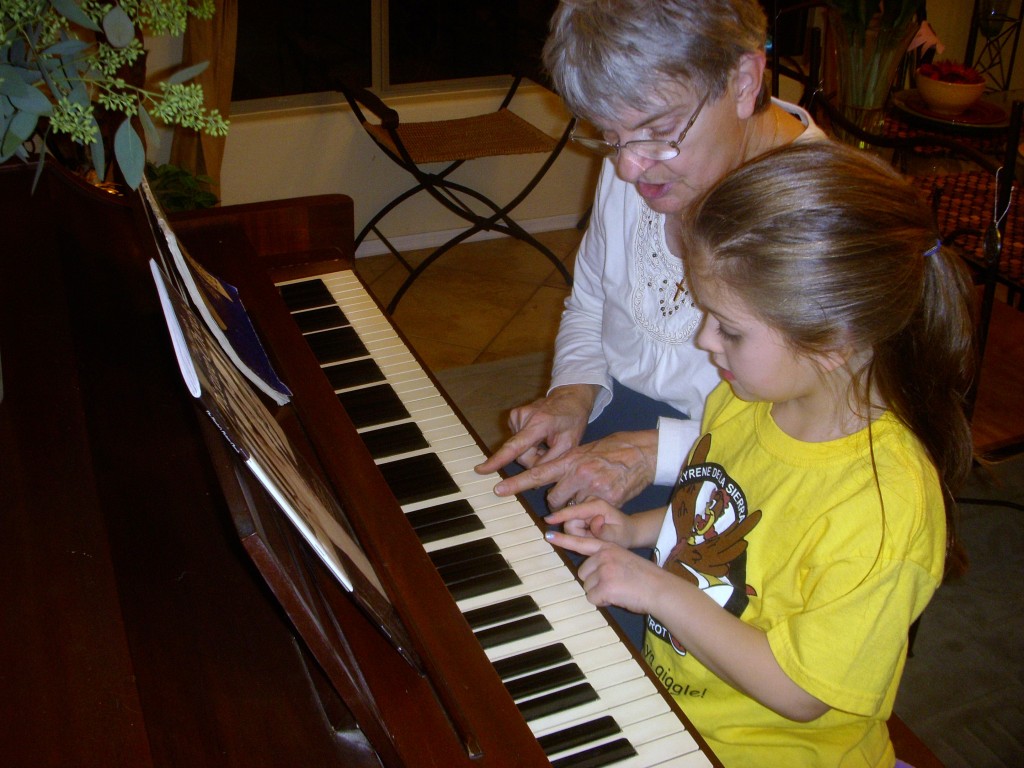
[(72, 81), (860, 15), (870, 38), (950, 72)]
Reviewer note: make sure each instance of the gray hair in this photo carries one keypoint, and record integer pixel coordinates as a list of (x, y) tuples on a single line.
[(606, 55)]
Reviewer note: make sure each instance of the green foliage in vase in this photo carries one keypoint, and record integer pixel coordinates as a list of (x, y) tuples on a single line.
[(871, 37), (76, 69), (179, 190), (860, 15)]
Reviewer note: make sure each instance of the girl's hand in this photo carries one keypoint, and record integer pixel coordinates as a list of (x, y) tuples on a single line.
[(612, 575), (594, 518)]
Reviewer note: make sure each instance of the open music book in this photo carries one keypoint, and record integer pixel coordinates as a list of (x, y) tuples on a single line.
[(266, 450), (217, 303)]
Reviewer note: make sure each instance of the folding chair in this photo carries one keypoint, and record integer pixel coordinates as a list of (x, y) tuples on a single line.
[(414, 145)]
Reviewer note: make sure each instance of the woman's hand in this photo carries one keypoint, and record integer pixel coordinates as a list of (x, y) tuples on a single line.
[(545, 429), (615, 468)]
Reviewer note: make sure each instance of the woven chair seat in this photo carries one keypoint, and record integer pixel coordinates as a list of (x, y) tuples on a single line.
[(966, 202), (443, 141)]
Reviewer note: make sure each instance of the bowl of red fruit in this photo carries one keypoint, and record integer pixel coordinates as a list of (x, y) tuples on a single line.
[(949, 88)]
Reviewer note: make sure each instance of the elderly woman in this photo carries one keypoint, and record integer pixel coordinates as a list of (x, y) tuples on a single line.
[(677, 90)]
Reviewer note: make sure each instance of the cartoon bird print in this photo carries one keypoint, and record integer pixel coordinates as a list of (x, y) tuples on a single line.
[(700, 545)]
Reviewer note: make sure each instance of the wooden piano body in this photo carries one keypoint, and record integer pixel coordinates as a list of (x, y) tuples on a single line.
[(137, 628)]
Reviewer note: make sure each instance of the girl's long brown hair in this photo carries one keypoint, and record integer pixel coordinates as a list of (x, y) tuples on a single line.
[(834, 249)]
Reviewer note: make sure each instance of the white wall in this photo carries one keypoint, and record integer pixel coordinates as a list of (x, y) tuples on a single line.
[(320, 148), (277, 152)]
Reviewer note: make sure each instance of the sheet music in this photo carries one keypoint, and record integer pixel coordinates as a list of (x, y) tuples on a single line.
[(250, 428), (218, 304)]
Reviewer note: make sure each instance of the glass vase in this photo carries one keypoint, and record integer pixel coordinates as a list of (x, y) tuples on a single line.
[(992, 14), (867, 57)]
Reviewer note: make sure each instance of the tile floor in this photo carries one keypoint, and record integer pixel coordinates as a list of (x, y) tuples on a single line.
[(480, 302), (497, 299)]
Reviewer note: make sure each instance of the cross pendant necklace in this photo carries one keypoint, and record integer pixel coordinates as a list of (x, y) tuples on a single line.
[(679, 290)]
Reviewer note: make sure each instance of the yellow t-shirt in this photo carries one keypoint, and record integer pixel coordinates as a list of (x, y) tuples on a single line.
[(792, 538)]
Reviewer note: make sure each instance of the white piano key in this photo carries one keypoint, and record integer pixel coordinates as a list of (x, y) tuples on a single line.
[(629, 692), (624, 690)]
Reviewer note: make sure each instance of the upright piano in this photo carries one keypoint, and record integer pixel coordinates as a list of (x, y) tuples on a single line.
[(158, 609)]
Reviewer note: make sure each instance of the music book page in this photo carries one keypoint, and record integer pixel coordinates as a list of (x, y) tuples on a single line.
[(218, 304), (264, 447)]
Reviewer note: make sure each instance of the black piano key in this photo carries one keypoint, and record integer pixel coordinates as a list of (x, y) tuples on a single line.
[(448, 529), (506, 610), (418, 478), (354, 373), (475, 568), (333, 341), (484, 584), (578, 735), (320, 319), (601, 755), (460, 553), (440, 513), (531, 685), (306, 295), (373, 405), (393, 440), (531, 661), (543, 706), (531, 626), (336, 345)]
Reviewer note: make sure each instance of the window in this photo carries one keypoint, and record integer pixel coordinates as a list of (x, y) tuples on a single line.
[(386, 44)]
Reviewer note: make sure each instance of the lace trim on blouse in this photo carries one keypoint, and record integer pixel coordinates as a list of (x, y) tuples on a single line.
[(661, 302)]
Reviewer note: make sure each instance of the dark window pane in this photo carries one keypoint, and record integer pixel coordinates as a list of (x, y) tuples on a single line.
[(284, 53), (298, 51), (453, 39)]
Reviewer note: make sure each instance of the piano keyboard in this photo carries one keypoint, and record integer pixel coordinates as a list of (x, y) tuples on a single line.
[(584, 695)]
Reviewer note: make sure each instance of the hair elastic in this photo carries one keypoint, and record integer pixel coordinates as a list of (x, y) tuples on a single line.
[(934, 249)]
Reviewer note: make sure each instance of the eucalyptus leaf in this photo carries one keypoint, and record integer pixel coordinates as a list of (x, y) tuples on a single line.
[(8, 147), (11, 84), (73, 13), (99, 156), (149, 129), (18, 53), (118, 27), (30, 76), (130, 154), (56, 79), (8, 140), (39, 168), (79, 94), (23, 125), (183, 75), (32, 101), (66, 48)]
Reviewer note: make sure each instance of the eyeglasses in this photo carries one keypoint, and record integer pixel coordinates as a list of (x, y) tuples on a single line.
[(650, 149)]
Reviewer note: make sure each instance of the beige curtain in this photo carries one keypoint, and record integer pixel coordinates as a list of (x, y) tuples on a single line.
[(212, 41)]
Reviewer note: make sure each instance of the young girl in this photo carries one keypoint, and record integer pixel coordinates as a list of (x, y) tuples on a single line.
[(808, 529)]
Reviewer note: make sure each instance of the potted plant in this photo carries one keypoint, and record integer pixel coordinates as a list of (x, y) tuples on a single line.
[(72, 82)]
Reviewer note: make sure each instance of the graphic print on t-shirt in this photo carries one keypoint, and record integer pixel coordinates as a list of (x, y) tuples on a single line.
[(711, 520)]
